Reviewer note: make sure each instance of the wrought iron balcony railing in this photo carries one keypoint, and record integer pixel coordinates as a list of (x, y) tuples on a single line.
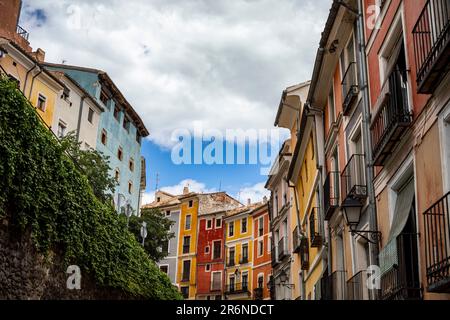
[(331, 194), (431, 36), (353, 179), (333, 286), (437, 245), (357, 287), (231, 262), (314, 228), (23, 33), (304, 254), (350, 88), (238, 287), (282, 249), (296, 240), (392, 117), (401, 282), (243, 259), (274, 256)]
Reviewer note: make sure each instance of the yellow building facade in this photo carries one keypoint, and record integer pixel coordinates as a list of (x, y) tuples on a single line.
[(37, 84), (239, 253), (187, 245)]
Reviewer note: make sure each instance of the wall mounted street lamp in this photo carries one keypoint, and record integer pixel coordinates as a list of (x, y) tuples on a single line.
[(283, 279), (352, 212)]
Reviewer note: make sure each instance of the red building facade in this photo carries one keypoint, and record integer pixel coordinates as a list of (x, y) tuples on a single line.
[(210, 257)]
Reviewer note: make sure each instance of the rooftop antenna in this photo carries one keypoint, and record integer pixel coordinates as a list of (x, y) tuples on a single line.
[(64, 61), (157, 181)]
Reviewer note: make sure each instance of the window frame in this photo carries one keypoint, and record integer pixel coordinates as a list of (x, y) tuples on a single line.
[(43, 98), (91, 115)]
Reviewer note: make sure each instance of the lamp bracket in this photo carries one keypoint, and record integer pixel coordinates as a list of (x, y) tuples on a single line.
[(371, 236)]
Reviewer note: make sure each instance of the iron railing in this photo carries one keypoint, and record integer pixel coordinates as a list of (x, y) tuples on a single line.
[(391, 118), (304, 254), (231, 262), (296, 240), (357, 287), (331, 193), (23, 33), (282, 249), (243, 259), (401, 282), (258, 293), (238, 287), (333, 286), (274, 256), (349, 88), (431, 36), (314, 228), (437, 245), (353, 179)]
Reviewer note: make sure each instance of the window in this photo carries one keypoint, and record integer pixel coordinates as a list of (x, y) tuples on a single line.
[(116, 113), (104, 137), (191, 203), (117, 175), (61, 129), (138, 137), (185, 292), (208, 267), (216, 281), (217, 247), (104, 97), (165, 247), (90, 115), (231, 229), (231, 254), (158, 199), (126, 124), (41, 103), (131, 164), (244, 225), (261, 281), (186, 270), (244, 280), (167, 213), (245, 253), (120, 153), (261, 227), (207, 249), (260, 247), (209, 224), (218, 223), (130, 187), (186, 244), (164, 269), (187, 224)]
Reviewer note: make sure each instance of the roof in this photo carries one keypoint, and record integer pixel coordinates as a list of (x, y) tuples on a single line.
[(283, 97), (103, 76), (245, 209), (34, 60)]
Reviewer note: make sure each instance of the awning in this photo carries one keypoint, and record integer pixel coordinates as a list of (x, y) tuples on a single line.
[(388, 256)]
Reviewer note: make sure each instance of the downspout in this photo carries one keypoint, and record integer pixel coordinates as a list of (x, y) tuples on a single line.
[(367, 139), (80, 114), (26, 78), (32, 83)]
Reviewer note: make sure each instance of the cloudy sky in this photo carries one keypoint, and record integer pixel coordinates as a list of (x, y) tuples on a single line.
[(221, 64)]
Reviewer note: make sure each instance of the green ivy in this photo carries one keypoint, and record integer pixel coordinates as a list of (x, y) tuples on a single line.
[(43, 191)]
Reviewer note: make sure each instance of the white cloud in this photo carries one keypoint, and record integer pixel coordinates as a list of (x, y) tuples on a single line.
[(221, 63), (194, 186), (255, 193)]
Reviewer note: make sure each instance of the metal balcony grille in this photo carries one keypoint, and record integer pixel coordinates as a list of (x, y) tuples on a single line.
[(23, 33), (350, 88), (282, 249), (238, 287), (357, 287), (333, 286), (437, 245), (314, 228), (431, 36), (331, 193), (353, 179)]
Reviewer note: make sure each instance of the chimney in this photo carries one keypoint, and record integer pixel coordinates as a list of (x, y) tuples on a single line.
[(265, 199), (186, 190), (249, 201), (39, 55)]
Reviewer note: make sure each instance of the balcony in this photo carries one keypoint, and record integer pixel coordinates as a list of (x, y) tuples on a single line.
[(231, 262), (357, 287), (350, 88), (331, 194), (431, 36), (235, 288), (185, 277), (243, 260), (333, 286), (304, 254), (282, 249), (314, 228), (258, 294), (297, 240), (401, 282), (437, 245), (391, 119), (23, 33), (353, 180), (274, 256)]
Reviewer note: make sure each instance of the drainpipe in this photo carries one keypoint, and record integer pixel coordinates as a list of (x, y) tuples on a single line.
[(32, 83), (366, 137), (26, 78), (80, 117)]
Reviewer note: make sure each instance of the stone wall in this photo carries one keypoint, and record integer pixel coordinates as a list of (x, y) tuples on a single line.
[(27, 275)]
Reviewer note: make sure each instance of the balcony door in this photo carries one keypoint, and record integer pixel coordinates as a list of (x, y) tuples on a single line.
[(358, 166)]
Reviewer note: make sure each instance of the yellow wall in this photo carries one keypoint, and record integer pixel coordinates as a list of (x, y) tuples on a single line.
[(307, 201), (39, 87), (192, 232)]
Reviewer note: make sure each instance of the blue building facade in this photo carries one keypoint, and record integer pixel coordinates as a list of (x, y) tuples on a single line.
[(119, 136)]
